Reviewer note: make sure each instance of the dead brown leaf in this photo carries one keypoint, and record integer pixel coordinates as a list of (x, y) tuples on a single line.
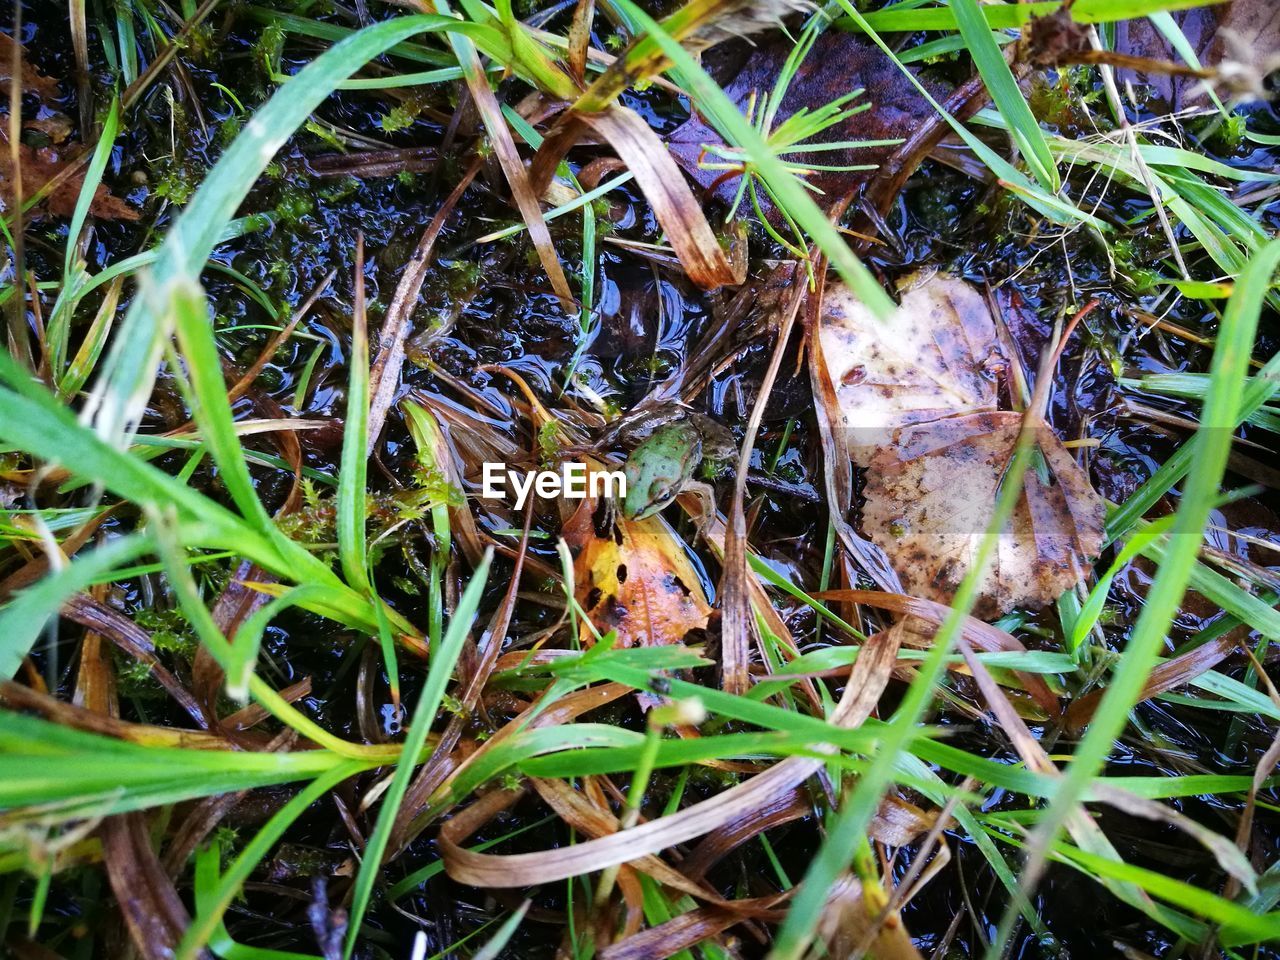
[(635, 580), (931, 496), (853, 919), (1241, 39), (42, 164), (916, 396), (39, 166), (838, 64), (33, 81), (934, 358)]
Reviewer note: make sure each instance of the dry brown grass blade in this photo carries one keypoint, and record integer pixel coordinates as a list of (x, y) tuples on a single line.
[(984, 636), (373, 163), (80, 44), (290, 448), (95, 675), (688, 930), (1266, 764), (384, 376), (38, 566), (202, 820), (241, 386), (866, 683), (136, 643), (254, 713), (522, 191), (580, 39), (837, 463), (594, 820), (698, 24), (19, 337), (714, 533), (152, 909), (1086, 833), (442, 798), (664, 186), (474, 669), (237, 601), (783, 808), (737, 624), (19, 697), (855, 915), (1168, 675)]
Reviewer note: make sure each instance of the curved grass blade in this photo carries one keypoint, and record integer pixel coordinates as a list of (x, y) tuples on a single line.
[(190, 241), (208, 399), (23, 619), (352, 476), (207, 922)]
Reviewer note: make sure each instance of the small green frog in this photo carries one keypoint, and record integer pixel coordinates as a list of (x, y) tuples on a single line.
[(662, 466)]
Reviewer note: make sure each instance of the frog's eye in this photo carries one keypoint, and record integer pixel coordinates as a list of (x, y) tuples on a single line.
[(662, 493)]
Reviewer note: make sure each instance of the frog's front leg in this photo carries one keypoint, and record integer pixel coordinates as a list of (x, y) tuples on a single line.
[(705, 495)]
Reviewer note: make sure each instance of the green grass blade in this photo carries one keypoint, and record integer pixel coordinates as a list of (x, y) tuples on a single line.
[(352, 474), (24, 617), (207, 921), (1261, 387), (1229, 373), (1057, 209), (1002, 16), (782, 183), (192, 238), (848, 829), (209, 405), (425, 713), (1005, 94)]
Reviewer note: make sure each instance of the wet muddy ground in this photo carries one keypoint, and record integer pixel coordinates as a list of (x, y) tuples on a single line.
[(380, 167)]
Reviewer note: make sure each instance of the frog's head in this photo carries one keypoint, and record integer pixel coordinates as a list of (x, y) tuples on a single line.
[(659, 468), (647, 494)]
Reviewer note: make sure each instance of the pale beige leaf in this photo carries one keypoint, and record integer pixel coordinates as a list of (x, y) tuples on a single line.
[(933, 357), (930, 496), (917, 396)]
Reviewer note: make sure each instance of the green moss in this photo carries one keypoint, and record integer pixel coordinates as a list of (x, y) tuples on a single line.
[(294, 203), (1227, 135), (170, 632), (268, 49), (399, 117)]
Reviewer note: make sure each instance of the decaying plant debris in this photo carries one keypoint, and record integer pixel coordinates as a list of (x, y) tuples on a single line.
[(968, 652)]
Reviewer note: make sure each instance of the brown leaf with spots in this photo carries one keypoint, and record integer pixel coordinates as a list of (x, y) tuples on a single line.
[(931, 494), (917, 397), (33, 81), (636, 579)]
